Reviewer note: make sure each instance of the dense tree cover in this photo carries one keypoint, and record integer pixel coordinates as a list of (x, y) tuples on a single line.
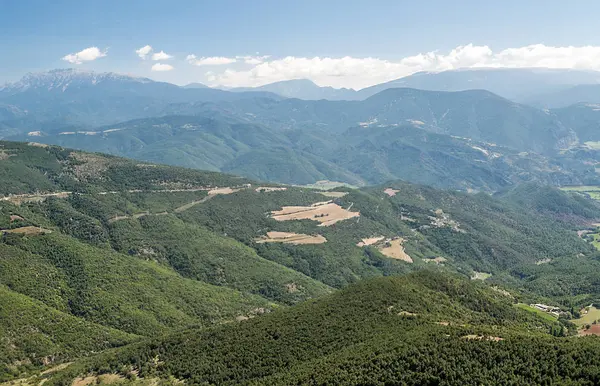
[(34, 334), (376, 331), (114, 289)]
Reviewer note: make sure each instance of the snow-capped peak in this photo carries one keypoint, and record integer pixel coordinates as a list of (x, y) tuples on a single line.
[(62, 79)]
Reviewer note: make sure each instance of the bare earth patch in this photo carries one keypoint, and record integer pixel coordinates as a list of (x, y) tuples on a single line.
[(390, 192), (395, 250), (18, 199), (370, 241), (291, 238), (14, 217), (327, 213), (29, 231), (543, 261), (267, 189), (593, 330)]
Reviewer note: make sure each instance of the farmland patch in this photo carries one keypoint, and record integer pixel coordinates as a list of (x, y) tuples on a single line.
[(327, 213), (291, 238)]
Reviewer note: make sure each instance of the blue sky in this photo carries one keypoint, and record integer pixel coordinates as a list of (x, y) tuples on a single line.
[(36, 35)]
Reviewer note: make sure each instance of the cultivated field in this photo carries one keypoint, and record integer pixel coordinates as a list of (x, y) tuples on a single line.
[(327, 213), (370, 241), (291, 238), (395, 250)]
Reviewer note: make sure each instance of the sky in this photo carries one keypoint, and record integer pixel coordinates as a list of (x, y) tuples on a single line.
[(334, 43)]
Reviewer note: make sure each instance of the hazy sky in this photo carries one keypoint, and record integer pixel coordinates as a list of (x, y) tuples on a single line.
[(338, 43)]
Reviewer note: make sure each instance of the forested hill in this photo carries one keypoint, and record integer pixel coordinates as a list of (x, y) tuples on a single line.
[(129, 250), (424, 328)]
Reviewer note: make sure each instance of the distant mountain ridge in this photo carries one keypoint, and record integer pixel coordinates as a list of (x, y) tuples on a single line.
[(81, 99), (303, 89), (525, 85)]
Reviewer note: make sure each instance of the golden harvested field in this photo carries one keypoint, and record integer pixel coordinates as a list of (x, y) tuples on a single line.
[(291, 238), (395, 250), (370, 241), (327, 213)]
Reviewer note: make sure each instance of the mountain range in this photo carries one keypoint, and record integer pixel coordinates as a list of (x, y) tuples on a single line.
[(542, 87), (468, 140)]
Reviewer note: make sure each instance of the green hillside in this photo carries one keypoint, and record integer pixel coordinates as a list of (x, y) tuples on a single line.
[(424, 328), (152, 250), (34, 335)]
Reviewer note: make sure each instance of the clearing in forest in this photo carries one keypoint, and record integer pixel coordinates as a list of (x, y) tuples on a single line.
[(327, 213), (291, 238), (267, 189), (395, 250), (334, 194), (480, 275), (370, 241), (588, 316), (482, 337), (18, 199), (436, 260), (28, 231), (390, 192)]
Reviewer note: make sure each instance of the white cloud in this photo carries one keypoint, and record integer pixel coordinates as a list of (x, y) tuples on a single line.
[(161, 56), (162, 67), (144, 52), (86, 55), (362, 72), (249, 59), (209, 61)]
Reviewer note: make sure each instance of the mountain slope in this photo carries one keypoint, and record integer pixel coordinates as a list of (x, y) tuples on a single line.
[(34, 335), (383, 329)]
